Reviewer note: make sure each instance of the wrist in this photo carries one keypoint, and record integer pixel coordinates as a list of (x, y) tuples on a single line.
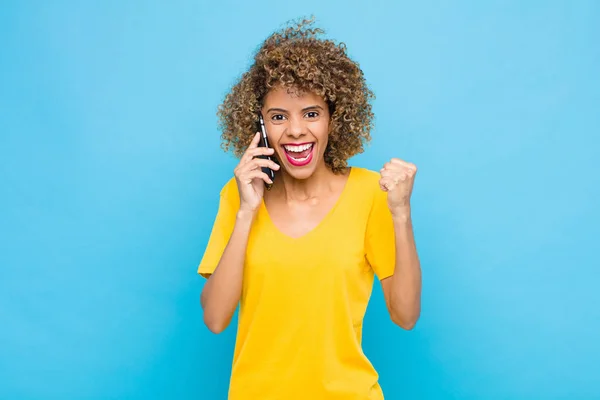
[(401, 214), (245, 214)]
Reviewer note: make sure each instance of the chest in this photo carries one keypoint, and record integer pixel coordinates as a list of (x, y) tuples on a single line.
[(297, 219), (329, 258)]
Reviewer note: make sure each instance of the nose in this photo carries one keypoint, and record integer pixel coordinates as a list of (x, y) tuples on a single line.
[(296, 128)]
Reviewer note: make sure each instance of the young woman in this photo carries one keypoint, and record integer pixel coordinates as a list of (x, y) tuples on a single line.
[(300, 259)]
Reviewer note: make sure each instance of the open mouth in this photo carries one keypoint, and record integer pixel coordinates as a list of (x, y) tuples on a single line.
[(299, 154)]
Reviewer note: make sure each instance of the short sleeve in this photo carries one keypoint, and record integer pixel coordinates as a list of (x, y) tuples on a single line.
[(380, 244), (221, 230)]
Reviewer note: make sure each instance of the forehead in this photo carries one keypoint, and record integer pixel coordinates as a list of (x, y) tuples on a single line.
[(291, 97)]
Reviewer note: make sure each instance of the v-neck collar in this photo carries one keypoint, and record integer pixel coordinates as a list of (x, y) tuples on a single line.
[(323, 221)]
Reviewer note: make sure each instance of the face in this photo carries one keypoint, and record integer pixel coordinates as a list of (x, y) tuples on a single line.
[(297, 127)]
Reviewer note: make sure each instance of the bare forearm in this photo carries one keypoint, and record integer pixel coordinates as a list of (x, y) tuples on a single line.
[(222, 291), (406, 281)]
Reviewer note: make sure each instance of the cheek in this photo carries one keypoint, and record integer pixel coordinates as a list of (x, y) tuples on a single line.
[(323, 134), (274, 134)]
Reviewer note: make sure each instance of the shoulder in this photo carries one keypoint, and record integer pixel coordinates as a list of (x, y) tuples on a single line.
[(229, 192), (368, 180), (367, 190)]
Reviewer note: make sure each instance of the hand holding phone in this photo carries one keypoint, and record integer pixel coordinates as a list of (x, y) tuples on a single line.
[(249, 177), (264, 142)]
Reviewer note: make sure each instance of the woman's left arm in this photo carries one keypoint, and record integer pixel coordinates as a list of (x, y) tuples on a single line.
[(402, 290)]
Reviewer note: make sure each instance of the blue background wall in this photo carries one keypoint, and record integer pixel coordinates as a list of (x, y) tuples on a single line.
[(110, 169)]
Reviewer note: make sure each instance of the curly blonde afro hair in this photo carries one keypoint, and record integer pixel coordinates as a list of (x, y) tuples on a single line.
[(297, 58)]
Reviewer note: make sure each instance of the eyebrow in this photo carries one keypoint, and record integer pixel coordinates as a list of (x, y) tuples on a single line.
[(304, 109)]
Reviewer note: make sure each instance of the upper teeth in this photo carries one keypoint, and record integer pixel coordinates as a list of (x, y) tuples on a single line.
[(297, 149)]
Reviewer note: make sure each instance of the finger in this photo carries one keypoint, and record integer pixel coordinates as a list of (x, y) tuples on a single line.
[(262, 162), (257, 163), (387, 172), (248, 177), (395, 173), (390, 166), (386, 184), (397, 161), (255, 141), (393, 168), (394, 178), (253, 145), (255, 152), (398, 170), (260, 151)]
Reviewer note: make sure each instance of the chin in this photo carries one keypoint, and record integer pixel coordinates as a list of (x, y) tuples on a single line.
[(300, 174)]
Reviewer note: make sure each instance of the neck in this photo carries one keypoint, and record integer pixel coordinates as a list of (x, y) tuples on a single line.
[(305, 189)]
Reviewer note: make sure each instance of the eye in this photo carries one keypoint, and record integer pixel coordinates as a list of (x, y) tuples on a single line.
[(312, 114), (277, 117)]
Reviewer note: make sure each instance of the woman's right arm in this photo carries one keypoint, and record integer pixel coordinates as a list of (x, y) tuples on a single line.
[(223, 289)]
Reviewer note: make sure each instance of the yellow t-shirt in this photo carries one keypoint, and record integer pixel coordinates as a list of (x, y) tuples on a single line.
[(303, 300)]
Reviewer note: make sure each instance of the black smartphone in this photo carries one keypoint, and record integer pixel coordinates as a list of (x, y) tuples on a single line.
[(264, 142)]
